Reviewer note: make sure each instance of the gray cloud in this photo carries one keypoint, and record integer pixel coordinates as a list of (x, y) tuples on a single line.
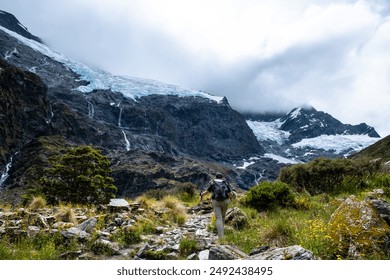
[(321, 67)]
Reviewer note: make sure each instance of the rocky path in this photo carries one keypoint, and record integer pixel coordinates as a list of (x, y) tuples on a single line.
[(168, 240)]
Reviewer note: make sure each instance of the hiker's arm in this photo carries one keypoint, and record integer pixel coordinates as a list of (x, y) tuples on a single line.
[(202, 193), (232, 192)]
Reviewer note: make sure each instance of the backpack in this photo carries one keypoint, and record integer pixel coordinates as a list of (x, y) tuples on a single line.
[(220, 190)]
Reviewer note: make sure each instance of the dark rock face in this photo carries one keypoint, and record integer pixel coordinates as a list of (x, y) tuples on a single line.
[(10, 22), (309, 123), (24, 109)]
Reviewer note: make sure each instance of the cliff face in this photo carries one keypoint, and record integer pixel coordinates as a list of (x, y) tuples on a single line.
[(24, 109)]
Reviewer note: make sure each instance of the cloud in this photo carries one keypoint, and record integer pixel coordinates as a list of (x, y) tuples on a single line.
[(262, 55)]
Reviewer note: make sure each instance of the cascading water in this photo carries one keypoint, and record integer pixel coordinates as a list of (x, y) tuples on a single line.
[(51, 114), (120, 117), (91, 109), (126, 140), (123, 131), (261, 176), (5, 174)]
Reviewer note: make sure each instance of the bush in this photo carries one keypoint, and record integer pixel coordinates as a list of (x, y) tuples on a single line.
[(187, 246), (328, 175), (79, 176), (268, 195)]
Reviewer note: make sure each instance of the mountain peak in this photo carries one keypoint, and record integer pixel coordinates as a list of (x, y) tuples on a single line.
[(10, 22)]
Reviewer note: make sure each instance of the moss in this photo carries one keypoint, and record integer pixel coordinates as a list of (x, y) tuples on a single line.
[(357, 230)]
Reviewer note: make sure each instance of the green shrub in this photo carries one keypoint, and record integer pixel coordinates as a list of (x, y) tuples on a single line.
[(187, 246), (79, 176), (268, 195), (328, 175), (131, 235)]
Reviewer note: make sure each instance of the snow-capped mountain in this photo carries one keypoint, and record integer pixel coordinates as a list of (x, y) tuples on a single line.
[(305, 133), (154, 133)]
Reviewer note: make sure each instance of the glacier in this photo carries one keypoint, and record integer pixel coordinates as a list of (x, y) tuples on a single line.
[(269, 131), (337, 143), (130, 87)]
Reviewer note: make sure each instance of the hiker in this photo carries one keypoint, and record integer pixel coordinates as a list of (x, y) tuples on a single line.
[(220, 193)]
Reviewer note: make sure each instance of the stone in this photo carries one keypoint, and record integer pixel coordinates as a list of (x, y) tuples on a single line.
[(142, 250), (62, 225), (357, 229), (383, 208), (294, 252), (259, 250), (236, 218), (226, 252), (118, 203), (71, 255), (32, 230), (204, 255), (193, 256), (75, 232), (88, 225)]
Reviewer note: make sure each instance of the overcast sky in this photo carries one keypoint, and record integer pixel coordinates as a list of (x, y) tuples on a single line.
[(263, 55)]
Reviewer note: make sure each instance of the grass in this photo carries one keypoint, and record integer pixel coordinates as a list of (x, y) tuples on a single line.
[(305, 223), (43, 246)]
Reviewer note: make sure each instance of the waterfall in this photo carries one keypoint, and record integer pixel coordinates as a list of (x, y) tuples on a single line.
[(261, 176), (120, 117), (126, 141), (51, 114), (91, 109), (5, 174)]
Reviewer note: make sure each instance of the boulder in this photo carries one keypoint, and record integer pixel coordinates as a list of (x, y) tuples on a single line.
[(204, 255), (294, 252), (383, 208), (226, 252), (75, 232), (357, 229), (118, 204), (236, 218), (88, 225)]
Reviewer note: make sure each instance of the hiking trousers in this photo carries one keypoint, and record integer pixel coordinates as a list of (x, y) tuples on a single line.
[(220, 208)]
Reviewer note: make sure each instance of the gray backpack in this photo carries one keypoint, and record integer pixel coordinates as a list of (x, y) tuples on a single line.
[(220, 190)]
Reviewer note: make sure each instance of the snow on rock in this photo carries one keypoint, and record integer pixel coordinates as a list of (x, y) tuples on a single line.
[(337, 143), (281, 159), (294, 114), (99, 79)]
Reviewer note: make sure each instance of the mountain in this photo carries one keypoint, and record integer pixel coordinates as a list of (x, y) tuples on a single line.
[(155, 134), (305, 133), (378, 151)]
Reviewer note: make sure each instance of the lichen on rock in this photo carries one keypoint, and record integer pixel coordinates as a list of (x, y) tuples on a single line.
[(357, 229)]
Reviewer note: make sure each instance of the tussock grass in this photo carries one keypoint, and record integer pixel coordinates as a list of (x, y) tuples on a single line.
[(66, 214), (37, 202)]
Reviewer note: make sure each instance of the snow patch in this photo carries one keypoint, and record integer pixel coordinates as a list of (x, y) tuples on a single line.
[(22, 26), (281, 159), (294, 114), (337, 143), (98, 79)]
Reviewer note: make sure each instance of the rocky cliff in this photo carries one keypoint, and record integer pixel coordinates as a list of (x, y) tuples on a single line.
[(140, 124)]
